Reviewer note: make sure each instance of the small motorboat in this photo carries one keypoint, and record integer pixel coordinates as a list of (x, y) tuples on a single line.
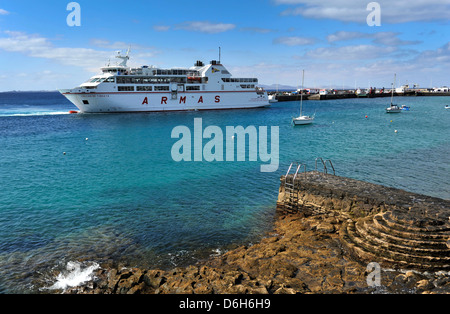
[(273, 99), (406, 108)]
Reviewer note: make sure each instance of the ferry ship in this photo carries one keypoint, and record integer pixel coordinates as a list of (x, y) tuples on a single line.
[(120, 88)]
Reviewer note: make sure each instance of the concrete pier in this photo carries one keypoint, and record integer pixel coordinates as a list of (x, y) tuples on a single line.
[(389, 226)]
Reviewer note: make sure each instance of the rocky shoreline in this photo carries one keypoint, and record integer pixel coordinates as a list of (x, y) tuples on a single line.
[(308, 252), (302, 255)]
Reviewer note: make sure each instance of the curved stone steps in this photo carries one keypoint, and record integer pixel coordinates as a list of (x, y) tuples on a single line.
[(410, 248), (370, 247), (397, 224), (370, 254), (407, 239), (382, 224), (389, 250)]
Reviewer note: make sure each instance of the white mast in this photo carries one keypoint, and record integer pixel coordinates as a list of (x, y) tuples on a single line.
[(301, 92), (392, 91)]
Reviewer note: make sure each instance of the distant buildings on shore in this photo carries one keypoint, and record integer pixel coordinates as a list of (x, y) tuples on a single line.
[(404, 89)]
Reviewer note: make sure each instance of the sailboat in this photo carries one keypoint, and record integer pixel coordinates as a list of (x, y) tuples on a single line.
[(302, 120), (393, 108)]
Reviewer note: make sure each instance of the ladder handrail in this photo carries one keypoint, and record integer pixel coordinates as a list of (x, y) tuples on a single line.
[(299, 165), (287, 173), (325, 170), (331, 164), (298, 168)]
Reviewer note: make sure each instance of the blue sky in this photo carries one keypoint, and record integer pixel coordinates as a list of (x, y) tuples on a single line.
[(269, 39)]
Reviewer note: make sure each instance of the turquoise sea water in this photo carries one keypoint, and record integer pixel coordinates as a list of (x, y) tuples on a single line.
[(117, 195)]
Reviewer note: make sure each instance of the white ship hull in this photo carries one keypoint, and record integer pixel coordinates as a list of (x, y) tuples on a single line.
[(144, 89), (148, 102)]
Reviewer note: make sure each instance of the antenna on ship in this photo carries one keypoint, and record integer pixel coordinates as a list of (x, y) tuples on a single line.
[(220, 55), (124, 58)]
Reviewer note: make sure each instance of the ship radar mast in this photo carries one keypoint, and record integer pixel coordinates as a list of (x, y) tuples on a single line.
[(124, 58)]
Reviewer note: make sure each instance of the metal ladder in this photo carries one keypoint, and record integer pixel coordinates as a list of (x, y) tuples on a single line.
[(324, 164), (291, 194)]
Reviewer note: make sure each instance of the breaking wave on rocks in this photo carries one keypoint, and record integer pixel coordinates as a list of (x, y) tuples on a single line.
[(74, 274)]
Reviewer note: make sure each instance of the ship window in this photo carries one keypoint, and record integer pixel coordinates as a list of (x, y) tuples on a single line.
[(161, 88), (109, 80), (126, 88), (85, 102), (192, 88), (248, 86), (178, 80), (144, 88)]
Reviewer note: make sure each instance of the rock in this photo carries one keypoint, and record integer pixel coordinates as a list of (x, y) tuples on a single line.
[(325, 227), (284, 290), (424, 285), (154, 279)]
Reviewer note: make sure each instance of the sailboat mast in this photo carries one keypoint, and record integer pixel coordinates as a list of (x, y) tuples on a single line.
[(301, 92), (392, 90)]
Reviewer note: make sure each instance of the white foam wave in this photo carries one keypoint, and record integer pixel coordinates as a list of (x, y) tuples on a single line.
[(75, 275), (38, 113)]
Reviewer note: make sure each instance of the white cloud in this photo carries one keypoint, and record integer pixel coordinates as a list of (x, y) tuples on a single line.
[(205, 27), (382, 38), (117, 45), (356, 52), (294, 41), (256, 30), (392, 12), (89, 59), (161, 28), (3, 12), (391, 39), (343, 35), (40, 47)]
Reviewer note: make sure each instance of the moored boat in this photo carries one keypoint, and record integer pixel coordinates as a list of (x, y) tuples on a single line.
[(302, 119)]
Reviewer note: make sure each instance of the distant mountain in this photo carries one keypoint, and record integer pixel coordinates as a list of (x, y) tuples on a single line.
[(279, 87)]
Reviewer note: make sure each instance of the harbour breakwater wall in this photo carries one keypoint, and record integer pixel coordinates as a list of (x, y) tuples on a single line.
[(285, 97), (391, 227), (327, 229)]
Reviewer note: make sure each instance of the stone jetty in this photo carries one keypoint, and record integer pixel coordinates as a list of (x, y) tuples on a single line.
[(327, 230), (389, 226)]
